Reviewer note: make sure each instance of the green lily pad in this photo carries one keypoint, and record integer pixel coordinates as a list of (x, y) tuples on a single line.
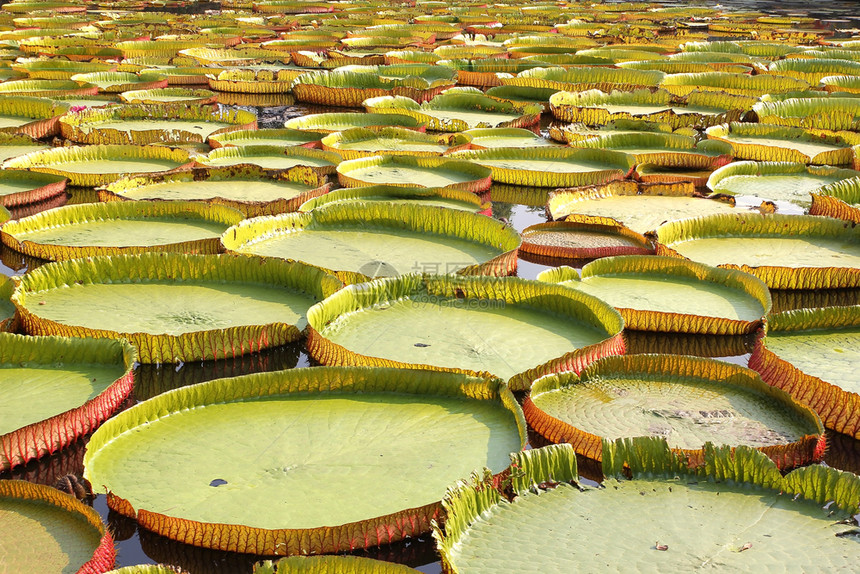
[(174, 307), (659, 294), (100, 164), (776, 181), (735, 512), (688, 401), (331, 564), (763, 142), (457, 110), (507, 326), (784, 251), (639, 208), (337, 122), (840, 200), (57, 389), (411, 171), (250, 189), (14, 145), (271, 158), (186, 96), (483, 138), (20, 187), (813, 354), (115, 82), (112, 228), (45, 527), (284, 137), (152, 123), (550, 166), (382, 239), (383, 460), (429, 196), (362, 142)]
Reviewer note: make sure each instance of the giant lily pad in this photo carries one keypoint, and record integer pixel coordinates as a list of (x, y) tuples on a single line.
[(659, 294), (409, 171), (550, 166), (734, 511), (348, 89), (430, 196), (115, 82), (154, 123), (266, 81), (813, 70), (737, 84), (90, 229), (784, 251), (511, 327), (284, 137), (45, 527), (776, 181), (23, 187), (340, 121), (330, 565), (100, 164), (393, 428), (587, 78), (594, 107), (56, 390), (362, 142), (272, 158), (13, 145), (640, 207), (688, 401), (174, 307), (186, 96), (57, 69), (46, 88), (765, 142), (821, 113), (250, 189), (35, 117), (458, 110), (812, 354), (381, 239), (571, 240), (664, 150), (840, 200), (7, 309), (484, 138)]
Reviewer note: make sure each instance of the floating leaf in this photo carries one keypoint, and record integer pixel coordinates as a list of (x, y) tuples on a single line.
[(812, 355), (337, 122), (659, 294), (784, 251), (513, 328), (89, 229), (763, 142), (410, 171), (362, 142), (357, 238), (56, 390), (380, 437), (45, 527), (188, 307), (688, 401), (100, 164), (431, 196)]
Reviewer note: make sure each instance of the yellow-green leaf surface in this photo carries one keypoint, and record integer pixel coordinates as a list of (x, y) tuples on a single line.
[(736, 513), (331, 565), (271, 157), (250, 189), (786, 252), (174, 307), (765, 142), (120, 227), (506, 137), (776, 181), (429, 196), (550, 166), (505, 326), (410, 171), (640, 210), (662, 294), (363, 446), (100, 164), (336, 122), (273, 137), (381, 239), (44, 528), (152, 123), (688, 401)]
